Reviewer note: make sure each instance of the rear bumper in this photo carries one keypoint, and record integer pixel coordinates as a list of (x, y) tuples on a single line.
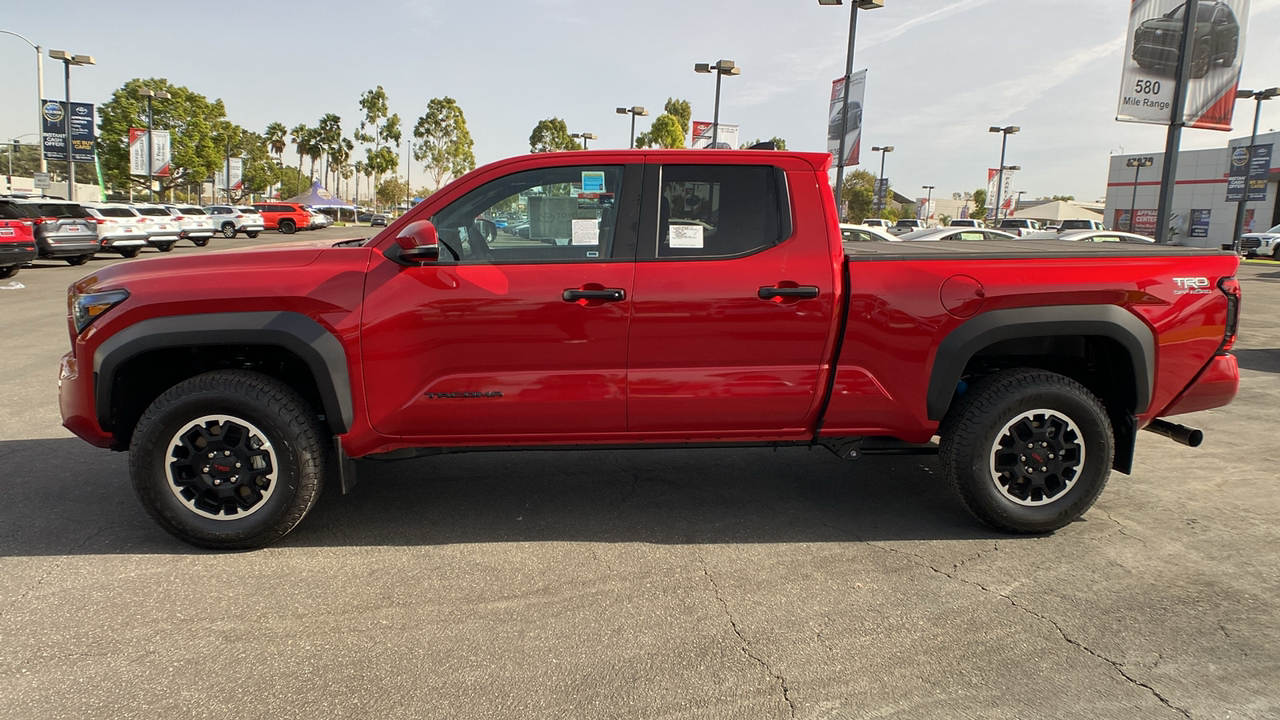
[(16, 254), (171, 237), (67, 245), (1216, 386), (202, 232)]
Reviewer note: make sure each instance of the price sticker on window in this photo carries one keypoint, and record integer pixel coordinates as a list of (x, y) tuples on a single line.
[(686, 236)]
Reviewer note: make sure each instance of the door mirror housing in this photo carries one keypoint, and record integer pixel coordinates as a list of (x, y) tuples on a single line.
[(418, 242)]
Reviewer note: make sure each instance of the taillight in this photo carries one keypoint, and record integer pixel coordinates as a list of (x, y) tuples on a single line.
[(48, 221), (28, 223), (239, 217), (1231, 288), (141, 220), (180, 217)]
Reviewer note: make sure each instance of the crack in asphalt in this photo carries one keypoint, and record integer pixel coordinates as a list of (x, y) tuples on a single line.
[(1117, 666), (1120, 525), (745, 647), (53, 569)]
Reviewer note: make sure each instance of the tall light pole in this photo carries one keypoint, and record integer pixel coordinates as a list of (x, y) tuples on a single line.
[(1259, 96), (720, 68), (67, 61), (880, 191), (148, 93), (1137, 163), (39, 93), (854, 7), (1005, 132), (633, 112), (584, 137), (928, 203)]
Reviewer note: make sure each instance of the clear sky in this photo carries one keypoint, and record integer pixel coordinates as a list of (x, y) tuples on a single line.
[(940, 72)]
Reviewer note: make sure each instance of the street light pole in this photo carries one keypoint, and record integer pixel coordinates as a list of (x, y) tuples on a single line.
[(585, 137), (44, 167), (1005, 132), (848, 77), (720, 68), (1259, 96), (880, 191), (67, 61), (1137, 163), (633, 112)]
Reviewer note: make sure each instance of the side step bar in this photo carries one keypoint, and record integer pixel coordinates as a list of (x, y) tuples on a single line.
[(1188, 436)]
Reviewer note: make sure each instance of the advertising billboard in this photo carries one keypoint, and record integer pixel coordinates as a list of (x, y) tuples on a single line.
[(1144, 221), (836, 112), (54, 117), (728, 136), (237, 175), (1152, 53), (1249, 167), (138, 152)]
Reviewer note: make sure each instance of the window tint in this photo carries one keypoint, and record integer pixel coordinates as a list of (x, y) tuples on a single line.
[(191, 211), (153, 212), (59, 210), (11, 212), (561, 214), (717, 210), (115, 212)]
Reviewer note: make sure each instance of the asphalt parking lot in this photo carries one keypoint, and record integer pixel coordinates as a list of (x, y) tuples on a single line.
[(720, 584)]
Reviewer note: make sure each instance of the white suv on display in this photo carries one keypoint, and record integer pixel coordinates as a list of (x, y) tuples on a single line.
[(163, 231), (118, 228), (229, 220), (193, 222), (1263, 243)]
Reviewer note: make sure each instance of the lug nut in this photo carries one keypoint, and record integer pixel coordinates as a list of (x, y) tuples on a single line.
[(1044, 469), (210, 456), (206, 470), (217, 481), (1050, 457), (238, 464), (225, 453), (1023, 458)]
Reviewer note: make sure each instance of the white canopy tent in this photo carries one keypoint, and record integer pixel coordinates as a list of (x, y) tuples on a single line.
[(1058, 210)]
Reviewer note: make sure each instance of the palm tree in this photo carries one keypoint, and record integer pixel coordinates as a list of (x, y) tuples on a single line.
[(329, 137), (315, 150), (299, 134), (275, 135)]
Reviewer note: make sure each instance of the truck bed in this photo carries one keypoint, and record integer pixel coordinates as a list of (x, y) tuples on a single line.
[(1002, 249)]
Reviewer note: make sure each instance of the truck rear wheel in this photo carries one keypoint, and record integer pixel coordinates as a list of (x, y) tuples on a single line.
[(228, 460), (1027, 451)]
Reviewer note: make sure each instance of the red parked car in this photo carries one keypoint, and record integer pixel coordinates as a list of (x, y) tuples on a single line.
[(17, 240), (633, 316), (287, 218)]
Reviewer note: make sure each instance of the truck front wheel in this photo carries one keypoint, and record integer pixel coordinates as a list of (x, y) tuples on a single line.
[(1027, 451), (228, 460)]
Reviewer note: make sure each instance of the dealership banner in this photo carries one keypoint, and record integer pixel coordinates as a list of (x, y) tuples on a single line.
[(1144, 221), (836, 112), (1200, 223), (237, 175), (54, 117), (138, 152), (1250, 166), (1151, 58), (924, 209), (702, 135)]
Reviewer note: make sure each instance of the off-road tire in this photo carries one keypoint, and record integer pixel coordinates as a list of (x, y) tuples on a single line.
[(1201, 60), (983, 416), (159, 460)]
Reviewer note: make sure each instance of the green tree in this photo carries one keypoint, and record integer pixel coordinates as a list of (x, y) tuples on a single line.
[(291, 183), (681, 111), (392, 190), (300, 138), (260, 170), (778, 143), (444, 143), (191, 119), (276, 135), (665, 132), (858, 194), (329, 138), (979, 211), (385, 130), (551, 135)]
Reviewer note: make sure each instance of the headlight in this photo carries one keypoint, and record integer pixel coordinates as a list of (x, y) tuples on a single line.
[(86, 308)]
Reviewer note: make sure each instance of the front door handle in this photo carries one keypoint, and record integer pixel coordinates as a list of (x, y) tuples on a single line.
[(605, 295), (804, 291)]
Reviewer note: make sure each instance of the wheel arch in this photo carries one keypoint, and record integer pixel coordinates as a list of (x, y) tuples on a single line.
[(136, 365), (1106, 348)]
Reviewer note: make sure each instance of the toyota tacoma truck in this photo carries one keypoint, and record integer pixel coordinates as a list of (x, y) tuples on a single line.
[(241, 382)]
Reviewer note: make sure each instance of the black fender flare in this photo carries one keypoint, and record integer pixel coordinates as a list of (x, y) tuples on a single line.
[(317, 347), (1110, 321)]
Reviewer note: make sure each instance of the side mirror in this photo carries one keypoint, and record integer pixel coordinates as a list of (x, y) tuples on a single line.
[(418, 242)]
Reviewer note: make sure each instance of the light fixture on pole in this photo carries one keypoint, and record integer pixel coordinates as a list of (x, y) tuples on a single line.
[(1005, 132), (1018, 200), (1137, 163), (39, 92), (1259, 96), (67, 61), (584, 137), (881, 185), (854, 7), (720, 68), (928, 203), (633, 112), (148, 93)]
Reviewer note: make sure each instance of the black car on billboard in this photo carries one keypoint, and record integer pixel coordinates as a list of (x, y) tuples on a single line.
[(1158, 41), (836, 121)]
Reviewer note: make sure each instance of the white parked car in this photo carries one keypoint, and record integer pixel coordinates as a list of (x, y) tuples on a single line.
[(876, 223), (1109, 236), (864, 233), (163, 231), (962, 234), (229, 220), (1263, 243), (319, 220), (1070, 225), (906, 225), (1019, 226), (966, 222), (194, 223), (118, 228)]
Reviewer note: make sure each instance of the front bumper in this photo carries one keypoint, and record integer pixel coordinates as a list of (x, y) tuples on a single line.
[(75, 401), (1155, 54)]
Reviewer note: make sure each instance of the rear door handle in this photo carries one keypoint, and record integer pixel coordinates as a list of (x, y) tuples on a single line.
[(805, 291), (605, 295)]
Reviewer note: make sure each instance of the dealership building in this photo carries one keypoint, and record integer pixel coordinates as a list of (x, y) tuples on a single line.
[(1204, 217)]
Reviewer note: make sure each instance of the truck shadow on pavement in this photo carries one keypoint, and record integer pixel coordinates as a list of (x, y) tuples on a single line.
[(1259, 359), (66, 498)]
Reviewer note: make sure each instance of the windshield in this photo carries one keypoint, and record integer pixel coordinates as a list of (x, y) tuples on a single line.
[(1204, 13)]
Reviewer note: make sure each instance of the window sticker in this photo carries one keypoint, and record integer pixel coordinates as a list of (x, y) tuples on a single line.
[(592, 181), (686, 236), (586, 232)]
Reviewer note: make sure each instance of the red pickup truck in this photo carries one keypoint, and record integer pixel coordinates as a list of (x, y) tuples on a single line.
[(640, 299)]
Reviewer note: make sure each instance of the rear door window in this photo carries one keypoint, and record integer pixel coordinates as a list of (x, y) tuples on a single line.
[(718, 211)]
